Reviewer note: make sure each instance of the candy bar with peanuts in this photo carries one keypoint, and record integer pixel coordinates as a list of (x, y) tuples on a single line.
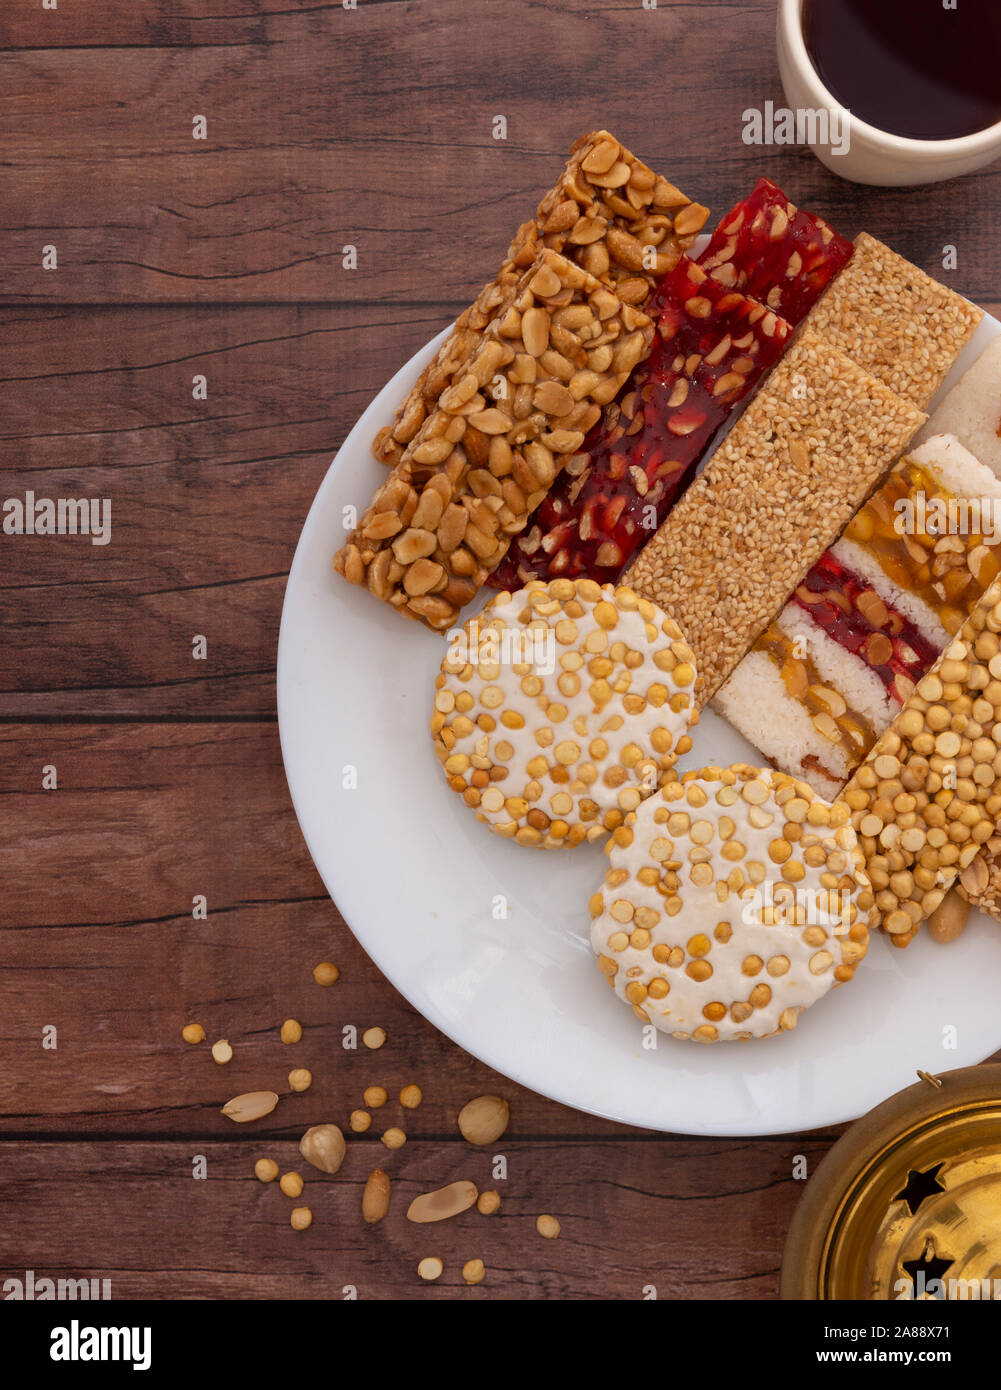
[(533, 384), (609, 214), (776, 252), (794, 469), (829, 675), (713, 346)]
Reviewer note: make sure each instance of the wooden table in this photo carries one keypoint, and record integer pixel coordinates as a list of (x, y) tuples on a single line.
[(222, 258)]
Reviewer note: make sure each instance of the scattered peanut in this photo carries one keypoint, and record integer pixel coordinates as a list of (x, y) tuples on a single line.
[(484, 1119), (301, 1218), (441, 1205), (360, 1121), (547, 1226), (300, 1079), (375, 1198), (411, 1097), (325, 973), (222, 1052), (374, 1037), (265, 1170), (488, 1202), (949, 918), (323, 1146), (430, 1268), (473, 1271), (291, 1184), (291, 1031), (375, 1096), (394, 1138), (193, 1033), (252, 1105)]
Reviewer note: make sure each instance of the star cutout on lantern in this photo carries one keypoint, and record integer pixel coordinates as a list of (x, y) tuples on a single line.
[(919, 1186), (926, 1267)]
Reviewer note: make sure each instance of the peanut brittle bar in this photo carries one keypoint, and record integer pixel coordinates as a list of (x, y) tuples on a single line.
[(789, 476), (533, 383), (605, 211), (776, 252), (713, 346), (895, 321), (928, 796)]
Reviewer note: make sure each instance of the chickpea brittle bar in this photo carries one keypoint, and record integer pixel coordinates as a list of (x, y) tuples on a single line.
[(928, 796), (789, 476), (608, 213), (895, 320), (533, 383)]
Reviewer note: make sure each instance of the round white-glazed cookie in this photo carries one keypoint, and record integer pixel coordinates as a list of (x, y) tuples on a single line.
[(734, 899), (560, 707)]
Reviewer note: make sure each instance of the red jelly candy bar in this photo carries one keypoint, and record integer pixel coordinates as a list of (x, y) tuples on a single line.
[(770, 249), (898, 652), (712, 347)]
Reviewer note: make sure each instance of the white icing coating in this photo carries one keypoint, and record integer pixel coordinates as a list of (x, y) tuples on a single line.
[(796, 960), (585, 727)]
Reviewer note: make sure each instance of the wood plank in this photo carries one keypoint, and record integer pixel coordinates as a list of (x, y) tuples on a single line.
[(158, 23), (371, 139), (208, 496), (98, 939), (692, 1218)]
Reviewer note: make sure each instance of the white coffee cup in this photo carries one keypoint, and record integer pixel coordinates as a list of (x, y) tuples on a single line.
[(873, 156)]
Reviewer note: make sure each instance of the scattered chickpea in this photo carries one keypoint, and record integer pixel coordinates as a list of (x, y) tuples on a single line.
[(300, 1079), (547, 1226), (430, 1268), (411, 1097), (394, 1138), (266, 1170), (473, 1271), (291, 1184), (360, 1121), (222, 1052), (374, 1037), (325, 973), (193, 1033), (375, 1096), (488, 1202), (291, 1031), (301, 1218)]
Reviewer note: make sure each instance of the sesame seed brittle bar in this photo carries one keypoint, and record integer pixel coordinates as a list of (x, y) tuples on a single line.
[(895, 320), (532, 384), (608, 213), (789, 476)]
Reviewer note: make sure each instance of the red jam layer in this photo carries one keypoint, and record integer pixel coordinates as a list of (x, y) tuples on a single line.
[(712, 348), (861, 622), (772, 250)]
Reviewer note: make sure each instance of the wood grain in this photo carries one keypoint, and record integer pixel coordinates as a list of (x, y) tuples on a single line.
[(326, 127), (692, 1218), (208, 496), (373, 128)]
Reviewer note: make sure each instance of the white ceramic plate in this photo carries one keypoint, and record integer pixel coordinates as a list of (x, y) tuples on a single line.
[(417, 879)]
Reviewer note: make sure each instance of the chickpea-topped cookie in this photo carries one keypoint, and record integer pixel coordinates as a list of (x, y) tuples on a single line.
[(561, 707), (734, 899)]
